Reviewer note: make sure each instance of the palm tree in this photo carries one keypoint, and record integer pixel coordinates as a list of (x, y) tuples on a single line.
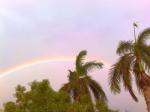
[(80, 83), (134, 62)]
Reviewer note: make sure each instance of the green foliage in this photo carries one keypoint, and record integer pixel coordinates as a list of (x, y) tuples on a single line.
[(42, 98), (85, 105), (125, 47), (80, 83), (134, 61), (83, 68), (10, 107), (103, 107)]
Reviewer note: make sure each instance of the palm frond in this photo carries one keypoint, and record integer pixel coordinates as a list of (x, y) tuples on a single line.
[(125, 47), (127, 64), (121, 72), (65, 87), (145, 57), (138, 82), (127, 82), (145, 48), (84, 86), (125, 71), (132, 94), (115, 78), (141, 78), (143, 36), (91, 65), (137, 75), (79, 59), (97, 90), (72, 76), (117, 71)]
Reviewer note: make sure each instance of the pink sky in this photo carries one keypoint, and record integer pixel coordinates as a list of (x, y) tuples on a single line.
[(33, 29)]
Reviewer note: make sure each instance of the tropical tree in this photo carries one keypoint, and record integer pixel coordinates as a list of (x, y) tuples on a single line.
[(21, 98), (85, 105), (80, 83), (10, 107), (134, 62), (40, 97)]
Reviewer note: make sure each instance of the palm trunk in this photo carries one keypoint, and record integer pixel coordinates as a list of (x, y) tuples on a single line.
[(71, 96), (146, 92), (92, 99)]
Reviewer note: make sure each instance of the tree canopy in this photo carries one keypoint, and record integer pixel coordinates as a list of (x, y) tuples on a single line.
[(42, 98)]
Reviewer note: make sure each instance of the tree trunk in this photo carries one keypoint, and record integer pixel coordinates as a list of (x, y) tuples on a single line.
[(146, 92)]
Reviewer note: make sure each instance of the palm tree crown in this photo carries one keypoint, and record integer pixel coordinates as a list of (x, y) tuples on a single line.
[(80, 83), (83, 68), (134, 61)]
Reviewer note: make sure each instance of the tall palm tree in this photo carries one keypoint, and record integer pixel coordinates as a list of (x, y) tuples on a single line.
[(134, 62), (80, 83)]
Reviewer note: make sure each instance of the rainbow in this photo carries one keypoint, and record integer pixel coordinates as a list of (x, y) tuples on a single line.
[(36, 62), (32, 63)]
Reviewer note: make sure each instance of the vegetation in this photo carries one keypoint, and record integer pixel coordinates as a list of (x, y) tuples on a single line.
[(80, 83), (134, 61), (42, 98)]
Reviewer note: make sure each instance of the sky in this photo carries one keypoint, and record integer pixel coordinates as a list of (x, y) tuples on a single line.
[(48, 29)]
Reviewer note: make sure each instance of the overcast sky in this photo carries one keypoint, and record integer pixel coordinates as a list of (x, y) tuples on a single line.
[(34, 29)]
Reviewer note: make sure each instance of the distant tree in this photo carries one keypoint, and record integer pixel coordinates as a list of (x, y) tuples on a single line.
[(42, 98), (134, 62), (21, 100), (10, 107)]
